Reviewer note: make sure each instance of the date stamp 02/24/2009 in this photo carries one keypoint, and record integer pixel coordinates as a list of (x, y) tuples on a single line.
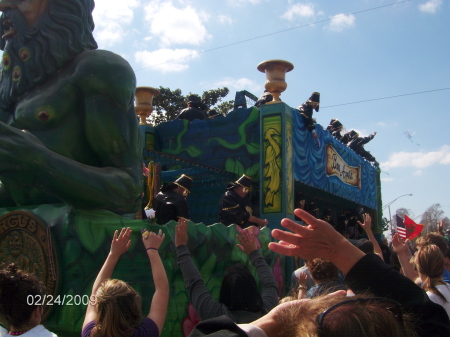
[(61, 300)]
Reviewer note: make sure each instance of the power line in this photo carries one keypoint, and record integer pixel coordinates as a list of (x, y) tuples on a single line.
[(387, 97), (270, 34)]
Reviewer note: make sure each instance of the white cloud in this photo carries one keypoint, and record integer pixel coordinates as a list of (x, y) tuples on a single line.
[(225, 19), (340, 22), (236, 3), (205, 16), (382, 124), (418, 173), (166, 60), (418, 159), (430, 6), (112, 17), (240, 84), (174, 25), (299, 11), (387, 179)]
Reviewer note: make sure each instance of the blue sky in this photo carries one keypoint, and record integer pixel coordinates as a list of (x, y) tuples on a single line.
[(349, 51)]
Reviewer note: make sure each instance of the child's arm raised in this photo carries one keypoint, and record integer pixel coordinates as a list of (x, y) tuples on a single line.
[(119, 245), (158, 308)]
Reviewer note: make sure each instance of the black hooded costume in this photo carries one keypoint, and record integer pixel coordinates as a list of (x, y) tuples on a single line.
[(357, 145), (233, 209), (306, 110), (169, 205), (196, 109)]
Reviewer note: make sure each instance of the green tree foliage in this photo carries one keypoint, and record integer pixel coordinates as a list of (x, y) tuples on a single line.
[(168, 104)]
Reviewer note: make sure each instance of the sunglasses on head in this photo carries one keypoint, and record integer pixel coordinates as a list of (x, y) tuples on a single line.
[(393, 306)]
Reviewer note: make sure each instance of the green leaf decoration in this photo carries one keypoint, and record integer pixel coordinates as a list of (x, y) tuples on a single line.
[(253, 171), (193, 151), (236, 255), (253, 148), (84, 238), (92, 237), (234, 166), (72, 251), (70, 313), (215, 284), (208, 267)]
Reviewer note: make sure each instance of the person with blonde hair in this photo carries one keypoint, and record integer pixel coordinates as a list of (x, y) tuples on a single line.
[(405, 256), (117, 312), (429, 263)]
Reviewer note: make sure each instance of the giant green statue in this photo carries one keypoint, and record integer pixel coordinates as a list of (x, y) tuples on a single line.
[(68, 129)]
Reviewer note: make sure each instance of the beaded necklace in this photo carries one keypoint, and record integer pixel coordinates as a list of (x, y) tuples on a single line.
[(17, 332)]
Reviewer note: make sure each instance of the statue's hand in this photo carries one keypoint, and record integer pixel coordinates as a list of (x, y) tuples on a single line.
[(19, 149)]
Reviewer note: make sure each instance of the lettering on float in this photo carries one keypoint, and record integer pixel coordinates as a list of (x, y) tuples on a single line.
[(336, 166)]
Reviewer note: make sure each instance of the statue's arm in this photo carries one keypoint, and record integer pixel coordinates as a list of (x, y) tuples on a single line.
[(4, 116), (112, 132), (5, 198)]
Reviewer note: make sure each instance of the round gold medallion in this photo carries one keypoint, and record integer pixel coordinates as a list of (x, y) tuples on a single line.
[(26, 241)]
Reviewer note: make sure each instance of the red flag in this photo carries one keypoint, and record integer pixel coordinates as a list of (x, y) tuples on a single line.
[(413, 230)]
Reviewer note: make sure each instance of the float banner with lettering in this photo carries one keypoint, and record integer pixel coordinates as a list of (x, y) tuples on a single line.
[(311, 165), (336, 166)]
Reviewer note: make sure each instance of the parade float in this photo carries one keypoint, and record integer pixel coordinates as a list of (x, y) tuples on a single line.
[(66, 245), (69, 180)]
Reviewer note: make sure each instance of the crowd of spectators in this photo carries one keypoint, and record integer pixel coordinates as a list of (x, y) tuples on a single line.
[(352, 292)]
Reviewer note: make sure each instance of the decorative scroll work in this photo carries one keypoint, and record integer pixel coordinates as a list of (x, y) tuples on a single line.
[(336, 166), (272, 164)]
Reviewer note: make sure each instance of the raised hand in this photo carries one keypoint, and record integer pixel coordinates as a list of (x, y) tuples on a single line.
[(302, 279), (247, 240), (153, 240), (399, 246), (317, 240), (367, 224), (441, 227), (181, 233), (120, 242)]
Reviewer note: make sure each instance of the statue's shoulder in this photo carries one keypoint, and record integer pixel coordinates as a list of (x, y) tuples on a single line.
[(5, 116), (100, 67)]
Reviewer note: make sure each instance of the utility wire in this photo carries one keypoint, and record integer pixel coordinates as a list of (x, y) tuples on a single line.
[(387, 97), (273, 33)]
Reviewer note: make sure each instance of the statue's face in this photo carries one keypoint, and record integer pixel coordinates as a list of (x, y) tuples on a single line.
[(31, 9), (37, 43)]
